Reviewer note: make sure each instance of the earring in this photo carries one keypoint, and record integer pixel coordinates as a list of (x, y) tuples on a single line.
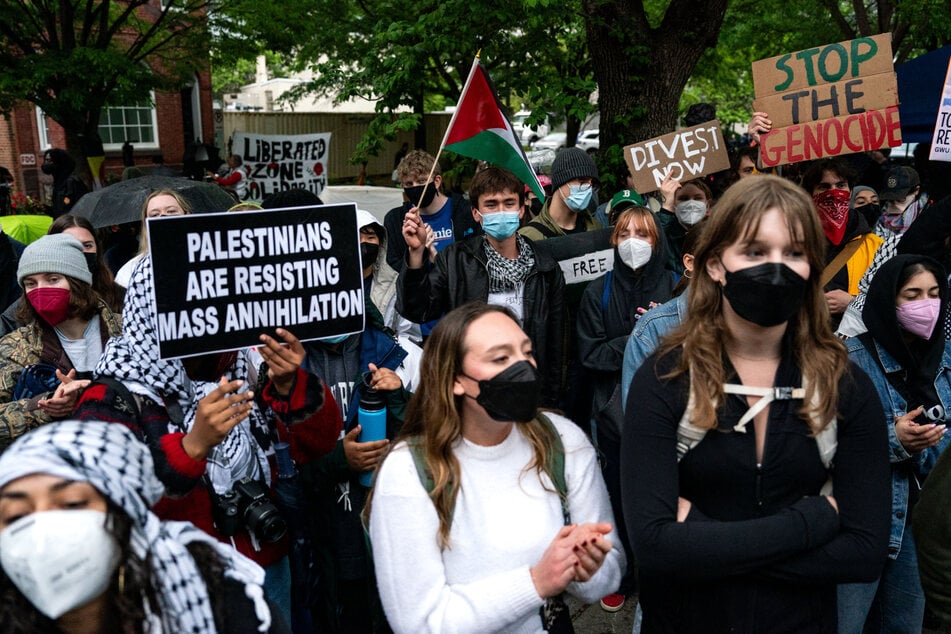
[(121, 581), (687, 274)]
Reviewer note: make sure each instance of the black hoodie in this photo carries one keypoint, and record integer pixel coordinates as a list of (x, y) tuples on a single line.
[(920, 359), (67, 188)]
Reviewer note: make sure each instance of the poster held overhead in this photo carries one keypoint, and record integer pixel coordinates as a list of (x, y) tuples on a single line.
[(828, 100), (221, 280), (689, 153), (941, 141)]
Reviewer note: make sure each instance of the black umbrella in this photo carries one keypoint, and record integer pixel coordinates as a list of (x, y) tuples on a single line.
[(122, 202)]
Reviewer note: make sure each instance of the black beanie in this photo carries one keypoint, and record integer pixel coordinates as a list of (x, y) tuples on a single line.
[(572, 163)]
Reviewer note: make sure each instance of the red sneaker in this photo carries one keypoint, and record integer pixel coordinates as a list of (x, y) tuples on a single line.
[(612, 602)]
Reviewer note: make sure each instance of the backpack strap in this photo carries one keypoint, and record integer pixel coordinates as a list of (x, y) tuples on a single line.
[(543, 229), (555, 466), (689, 435), (606, 293)]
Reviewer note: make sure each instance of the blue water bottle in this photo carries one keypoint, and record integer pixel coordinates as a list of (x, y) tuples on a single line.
[(372, 418)]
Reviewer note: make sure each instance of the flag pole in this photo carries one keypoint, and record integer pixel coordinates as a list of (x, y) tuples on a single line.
[(465, 88)]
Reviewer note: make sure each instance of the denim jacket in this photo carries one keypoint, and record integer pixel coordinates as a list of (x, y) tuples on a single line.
[(895, 406), (645, 338)]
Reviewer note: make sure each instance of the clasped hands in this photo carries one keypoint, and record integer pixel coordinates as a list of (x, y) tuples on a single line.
[(575, 554)]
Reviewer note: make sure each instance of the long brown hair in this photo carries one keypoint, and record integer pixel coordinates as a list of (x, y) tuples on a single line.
[(819, 354), (102, 280), (432, 417)]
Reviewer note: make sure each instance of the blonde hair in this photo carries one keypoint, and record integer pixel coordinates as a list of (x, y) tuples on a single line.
[(433, 421), (416, 165), (701, 337), (144, 236)]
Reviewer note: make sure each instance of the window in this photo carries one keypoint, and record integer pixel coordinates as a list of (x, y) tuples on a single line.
[(43, 127), (135, 123)]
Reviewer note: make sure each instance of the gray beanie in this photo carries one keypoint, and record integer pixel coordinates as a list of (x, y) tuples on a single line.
[(58, 253), (572, 163)]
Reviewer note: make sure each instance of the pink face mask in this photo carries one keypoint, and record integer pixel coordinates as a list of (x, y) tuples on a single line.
[(52, 304), (919, 317), (833, 207)]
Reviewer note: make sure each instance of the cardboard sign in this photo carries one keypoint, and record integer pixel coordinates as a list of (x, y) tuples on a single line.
[(835, 99), (279, 162), (221, 280), (582, 257), (689, 153), (941, 141)]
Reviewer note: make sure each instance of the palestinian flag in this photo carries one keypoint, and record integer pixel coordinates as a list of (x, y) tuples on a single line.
[(478, 129)]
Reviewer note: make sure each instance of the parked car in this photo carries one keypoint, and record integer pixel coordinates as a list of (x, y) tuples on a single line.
[(527, 135), (904, 154), (588, 141), (556, 141)]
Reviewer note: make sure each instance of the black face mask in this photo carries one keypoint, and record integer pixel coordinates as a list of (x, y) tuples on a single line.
[(413, 193), (767, 295), (48, 167), (369, 253), (92, 263), (871, 212), (512, 394), (536, 206)]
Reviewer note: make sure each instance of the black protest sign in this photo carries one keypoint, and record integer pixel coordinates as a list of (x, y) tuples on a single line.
[(582, 256), (223, 279)]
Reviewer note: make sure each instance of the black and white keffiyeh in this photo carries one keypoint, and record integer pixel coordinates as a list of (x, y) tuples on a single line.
[(110, 458), (505, 274), (133, 359)]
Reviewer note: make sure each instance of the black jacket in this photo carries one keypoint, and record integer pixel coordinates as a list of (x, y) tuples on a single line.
[(460, 274), (464, 226)]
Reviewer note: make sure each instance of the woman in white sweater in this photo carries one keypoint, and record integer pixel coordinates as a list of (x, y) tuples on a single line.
[(469, 529)]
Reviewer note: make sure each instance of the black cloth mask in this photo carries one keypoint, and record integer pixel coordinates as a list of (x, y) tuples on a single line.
[(767, 294), (369, 253), (92, 263), (512, 394), (871, 212), (413, 193)]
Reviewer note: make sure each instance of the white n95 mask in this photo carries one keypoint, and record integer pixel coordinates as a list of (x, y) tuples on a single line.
[(635, 252), (59, 560)]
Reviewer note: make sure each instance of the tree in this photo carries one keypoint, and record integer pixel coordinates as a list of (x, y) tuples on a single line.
[(73, 58), (642, 62)]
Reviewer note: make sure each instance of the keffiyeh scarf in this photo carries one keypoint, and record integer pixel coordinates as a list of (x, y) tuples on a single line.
[(111, 459), (133, 359), (505, 274)]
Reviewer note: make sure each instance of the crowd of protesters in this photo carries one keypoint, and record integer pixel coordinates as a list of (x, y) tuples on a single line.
[(734, 423)]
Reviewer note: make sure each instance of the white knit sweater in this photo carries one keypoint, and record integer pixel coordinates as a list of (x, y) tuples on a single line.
[(503, 522)]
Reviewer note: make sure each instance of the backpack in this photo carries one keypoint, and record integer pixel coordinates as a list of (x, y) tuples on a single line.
[(555, 466), (689, 435), (556, 619)]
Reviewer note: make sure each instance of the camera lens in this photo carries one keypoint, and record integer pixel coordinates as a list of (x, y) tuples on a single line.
[(264, 520)]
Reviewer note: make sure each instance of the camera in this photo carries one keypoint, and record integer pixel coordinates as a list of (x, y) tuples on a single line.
[(247, 505)]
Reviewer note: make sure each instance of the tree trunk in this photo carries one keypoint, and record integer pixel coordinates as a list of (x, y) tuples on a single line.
[(419, 137), (641, 71)]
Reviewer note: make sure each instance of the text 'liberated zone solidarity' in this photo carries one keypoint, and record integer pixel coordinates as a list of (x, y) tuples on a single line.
[(222, 286)]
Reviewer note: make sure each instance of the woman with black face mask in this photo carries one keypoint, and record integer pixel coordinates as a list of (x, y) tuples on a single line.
[(739, 424), (486, 511)]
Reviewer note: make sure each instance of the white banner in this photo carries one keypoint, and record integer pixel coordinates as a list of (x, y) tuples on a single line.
[(275, 162)]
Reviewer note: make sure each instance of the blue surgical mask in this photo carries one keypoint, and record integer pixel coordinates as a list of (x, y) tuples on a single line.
[(578, 197), (333, 340), (500, 224)]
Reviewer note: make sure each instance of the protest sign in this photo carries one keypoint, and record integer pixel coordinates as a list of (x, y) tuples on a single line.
[(835, 99), (688, 153), (582, 257), (221, 280), (275, 163), (941, 141)]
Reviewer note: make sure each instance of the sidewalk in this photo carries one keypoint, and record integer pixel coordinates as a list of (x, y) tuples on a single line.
[(591, 619)]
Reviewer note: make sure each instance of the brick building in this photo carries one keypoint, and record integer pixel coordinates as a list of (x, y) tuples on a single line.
[(175, 120)]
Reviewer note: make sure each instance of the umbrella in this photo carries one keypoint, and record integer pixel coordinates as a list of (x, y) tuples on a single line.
[(122, 202), (25, 228)]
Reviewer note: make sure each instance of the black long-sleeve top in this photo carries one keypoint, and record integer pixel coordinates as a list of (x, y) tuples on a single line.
[(761, 550)]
